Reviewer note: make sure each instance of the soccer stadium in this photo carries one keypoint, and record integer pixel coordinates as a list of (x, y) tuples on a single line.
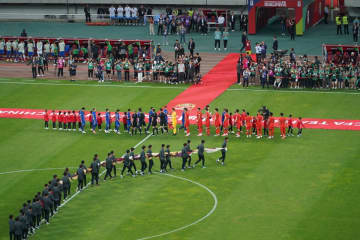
[(156, 119)]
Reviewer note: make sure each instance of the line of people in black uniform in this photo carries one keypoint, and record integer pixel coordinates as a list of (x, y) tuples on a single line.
[(45, 204)]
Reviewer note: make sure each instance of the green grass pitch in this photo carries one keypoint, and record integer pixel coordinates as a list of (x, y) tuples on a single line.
[(298, 188)]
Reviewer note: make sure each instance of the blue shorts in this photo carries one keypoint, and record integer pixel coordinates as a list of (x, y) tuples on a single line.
[(30, 54), (2, 52), (120, 17), (112, 17), (8, 53), (62, 53)]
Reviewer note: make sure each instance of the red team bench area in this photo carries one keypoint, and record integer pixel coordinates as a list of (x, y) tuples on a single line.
[(82, 44)]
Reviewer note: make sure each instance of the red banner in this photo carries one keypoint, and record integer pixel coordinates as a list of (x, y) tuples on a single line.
[(316, 123)]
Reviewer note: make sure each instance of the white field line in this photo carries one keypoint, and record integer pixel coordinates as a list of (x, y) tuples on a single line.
[(195, 222), (291, 91)]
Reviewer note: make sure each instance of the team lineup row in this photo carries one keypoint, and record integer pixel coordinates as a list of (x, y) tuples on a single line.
[(134, 122)]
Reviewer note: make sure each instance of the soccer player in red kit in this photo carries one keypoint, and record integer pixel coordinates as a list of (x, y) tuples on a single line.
[(254, 125), (290, 126), (243, 119), (300, 126), (238, 122), (187, 122), (78, 119), (282, 121), (248, 121), (65, 120), (60, 120), (99, 121), (199, 122), (217, 122), (69, 120), (124, 119), (259, 120), (53, 119), (271, 125), (226, 123), (46, 119), (207, 120), (73, 120), (90, 119)]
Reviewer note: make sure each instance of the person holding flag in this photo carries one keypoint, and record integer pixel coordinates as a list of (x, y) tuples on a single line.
[(117, 121), (300, 126), (53, 119), (223, 152), (94, 121), (199, 122), (46, 119), (174, 120), (107, 121), (207, 120)]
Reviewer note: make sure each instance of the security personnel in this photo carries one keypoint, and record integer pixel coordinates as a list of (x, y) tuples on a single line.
[(345, 22), (142, 160), (113, 158), (223, 152), (11, 227), (85, 170), (168, 157), (162, 158), (201, 149), (108, 165), (127, 164), (188, 148), (132, 159), (66, 184), (184, 156), (338, 25), (149, 155), (80, 174), (95, 171)]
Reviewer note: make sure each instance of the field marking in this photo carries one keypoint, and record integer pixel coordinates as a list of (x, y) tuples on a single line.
[(32, 170), (193, 223), (290, 91), (91, 85)]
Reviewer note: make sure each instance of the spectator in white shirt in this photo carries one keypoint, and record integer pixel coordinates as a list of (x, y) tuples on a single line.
[(112, 14), (120, 13), (221, 21), (21, 47), (127, 14), (258, 52), (62, 48), (39, 48), (134, 16)]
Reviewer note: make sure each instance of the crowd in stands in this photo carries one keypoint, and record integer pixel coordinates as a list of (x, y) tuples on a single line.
[(341, 70)]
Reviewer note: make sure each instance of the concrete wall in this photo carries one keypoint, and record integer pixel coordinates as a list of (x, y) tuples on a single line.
[(352, 3), (156, 2)]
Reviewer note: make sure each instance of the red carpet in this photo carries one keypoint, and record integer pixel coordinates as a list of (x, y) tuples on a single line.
[(214, 83), (316, 123)]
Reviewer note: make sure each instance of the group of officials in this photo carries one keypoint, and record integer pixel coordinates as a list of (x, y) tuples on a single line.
[(45, 204)]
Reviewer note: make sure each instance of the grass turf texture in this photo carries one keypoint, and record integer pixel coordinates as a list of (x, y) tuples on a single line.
[(298, 188)]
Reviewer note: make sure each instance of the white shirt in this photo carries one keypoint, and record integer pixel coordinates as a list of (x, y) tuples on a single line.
[(120, 12), (61, 46), (21, 47), (30, 47), (112, 12), (134, 12), (258, 49), (39, 47), (181, 67), (8, 46), (127, 12), (52, 47), (47, 47), (2, 44), (221, 20), (15, 45)]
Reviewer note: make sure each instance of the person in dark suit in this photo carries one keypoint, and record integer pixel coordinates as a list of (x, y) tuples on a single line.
[(127, 164), (191, 71), (239, 70), (11, 227), (232, 21), (191, 47), (18, 229), (87, 13), (80, 174), (108, 165), (95, 166), (243, 40), (66, 184), (275, 44)]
